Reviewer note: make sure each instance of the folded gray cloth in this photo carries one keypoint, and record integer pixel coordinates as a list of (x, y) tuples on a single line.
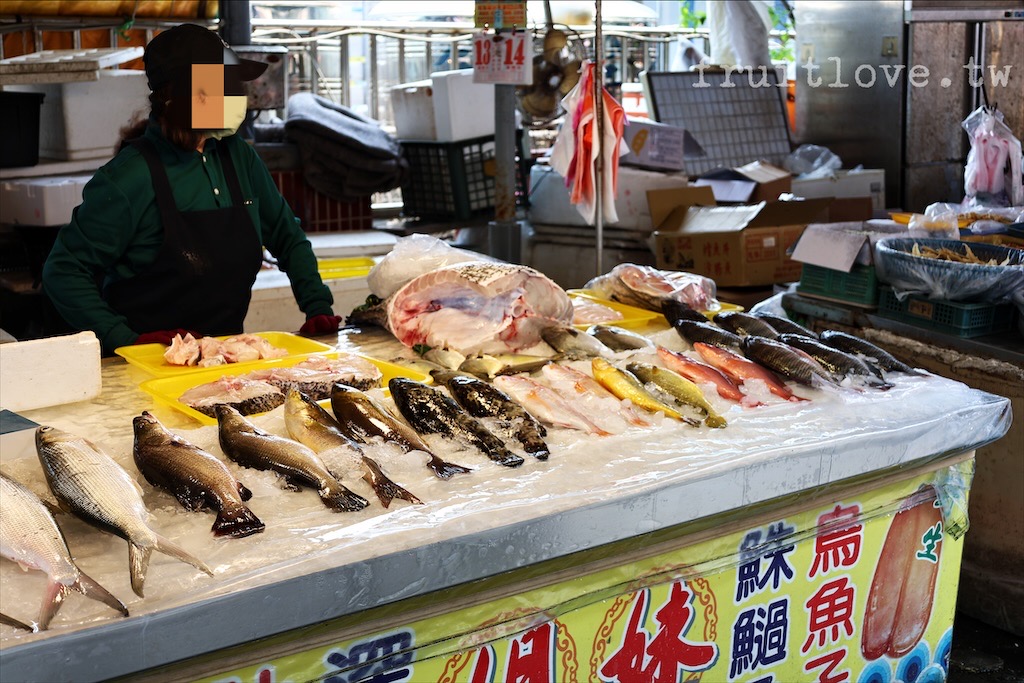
[(344, 155)]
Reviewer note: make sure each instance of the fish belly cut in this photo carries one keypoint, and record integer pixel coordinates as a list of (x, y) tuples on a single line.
[(478, 308)]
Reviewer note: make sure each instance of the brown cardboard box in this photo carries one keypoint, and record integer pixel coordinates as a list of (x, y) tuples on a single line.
[(754, 182), (737, 246)]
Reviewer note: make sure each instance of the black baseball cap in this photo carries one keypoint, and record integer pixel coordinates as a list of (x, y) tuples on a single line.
[(172, 53)]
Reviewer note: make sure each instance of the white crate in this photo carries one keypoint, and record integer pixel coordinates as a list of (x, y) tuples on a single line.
[(447, 108), (550, 205), (869, 182), (46, 201), (39, 373), (83, 120)]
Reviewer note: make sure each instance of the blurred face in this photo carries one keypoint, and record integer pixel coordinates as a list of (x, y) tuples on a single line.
[(218, 99)]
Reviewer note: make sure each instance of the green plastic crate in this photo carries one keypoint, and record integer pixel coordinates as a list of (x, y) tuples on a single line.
[(952, 317), (859, 286)]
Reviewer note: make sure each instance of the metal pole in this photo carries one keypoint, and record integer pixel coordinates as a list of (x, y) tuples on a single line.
[(504, 231), (599, 142)]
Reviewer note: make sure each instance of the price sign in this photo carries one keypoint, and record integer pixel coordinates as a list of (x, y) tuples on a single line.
[(503, 58)]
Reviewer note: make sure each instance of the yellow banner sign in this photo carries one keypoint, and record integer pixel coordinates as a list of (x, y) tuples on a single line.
[(862, 589)]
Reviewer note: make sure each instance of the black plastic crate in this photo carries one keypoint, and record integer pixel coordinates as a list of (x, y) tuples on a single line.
[(453, 179), (19, 128)]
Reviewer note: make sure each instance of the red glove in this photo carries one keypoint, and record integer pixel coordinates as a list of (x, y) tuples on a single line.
[(163, 336), (320, 324)]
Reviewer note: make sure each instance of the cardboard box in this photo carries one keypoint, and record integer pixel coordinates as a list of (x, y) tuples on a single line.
[(446, 108), (550, 205), (737, 246), (869, 182), (839, 246), (653, 145), (752, 183)]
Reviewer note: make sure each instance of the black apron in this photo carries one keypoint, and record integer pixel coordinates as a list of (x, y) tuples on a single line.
[(202, 277)]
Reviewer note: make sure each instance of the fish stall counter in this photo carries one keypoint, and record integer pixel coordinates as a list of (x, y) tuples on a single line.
[(815, 539)]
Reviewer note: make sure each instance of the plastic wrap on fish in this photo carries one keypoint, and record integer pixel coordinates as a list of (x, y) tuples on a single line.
[(648, 287), (478, 308)]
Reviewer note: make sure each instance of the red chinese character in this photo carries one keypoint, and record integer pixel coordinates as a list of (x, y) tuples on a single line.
[(838, 543), (830, 608), (662, 658), (831, 661), (531, 656), (483, 667)]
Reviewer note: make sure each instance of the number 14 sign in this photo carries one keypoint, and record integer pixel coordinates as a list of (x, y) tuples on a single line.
[(503, 57)]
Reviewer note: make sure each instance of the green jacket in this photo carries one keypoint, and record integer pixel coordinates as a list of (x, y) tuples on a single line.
[(116, 231)]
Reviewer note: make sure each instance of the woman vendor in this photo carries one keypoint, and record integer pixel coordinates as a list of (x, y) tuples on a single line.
[(170, 233)]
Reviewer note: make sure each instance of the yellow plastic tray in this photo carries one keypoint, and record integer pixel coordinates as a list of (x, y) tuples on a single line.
[(150, 357), (166, 390), (337, 268), (637, 317)]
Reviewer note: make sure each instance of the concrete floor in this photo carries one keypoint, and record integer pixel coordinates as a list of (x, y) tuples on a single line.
[(984, 654)]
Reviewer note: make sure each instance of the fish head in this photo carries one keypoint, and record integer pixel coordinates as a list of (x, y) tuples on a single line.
[(141, 423), (228, 416), (47, 437)]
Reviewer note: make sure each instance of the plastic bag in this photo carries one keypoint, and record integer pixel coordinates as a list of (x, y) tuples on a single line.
[(411, 257), (812, 161), (940, 221), (647, 287), (992, 176)]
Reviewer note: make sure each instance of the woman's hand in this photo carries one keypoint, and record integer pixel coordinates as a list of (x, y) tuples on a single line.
[(320, 324)]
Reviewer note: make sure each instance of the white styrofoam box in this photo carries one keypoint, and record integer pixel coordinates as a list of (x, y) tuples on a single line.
[(83, 120), (462, 109), (273, 306), (869, 182), (447, 108), (568, 256), (413, 107), (45, 201), (49, 372), (549, 197)]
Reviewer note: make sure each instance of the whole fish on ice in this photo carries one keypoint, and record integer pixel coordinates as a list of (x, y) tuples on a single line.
[(311, 425), (477, 307), (250, 446), (196, 478), (363, 419), (89, 483), (30, 536)]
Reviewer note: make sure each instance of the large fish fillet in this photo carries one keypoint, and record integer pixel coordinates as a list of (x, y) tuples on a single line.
[(478, 308)]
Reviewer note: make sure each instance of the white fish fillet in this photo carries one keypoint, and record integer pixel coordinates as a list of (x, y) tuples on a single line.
[(601, 406), (478, 308), (546, 404), (30, 536)]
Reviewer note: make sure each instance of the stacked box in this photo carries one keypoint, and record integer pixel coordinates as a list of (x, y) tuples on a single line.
[(317, 211)]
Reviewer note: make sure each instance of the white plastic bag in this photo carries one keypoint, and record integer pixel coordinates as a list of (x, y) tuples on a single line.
[(411, 257), (812, 161), (992, 176)]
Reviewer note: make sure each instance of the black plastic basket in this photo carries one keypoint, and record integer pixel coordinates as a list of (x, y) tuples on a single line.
[(452, 179)]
